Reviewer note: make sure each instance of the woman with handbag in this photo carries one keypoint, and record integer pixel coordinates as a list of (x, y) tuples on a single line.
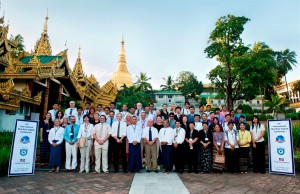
[(219, 158), (84, 143), (206, 140), (244, 150)]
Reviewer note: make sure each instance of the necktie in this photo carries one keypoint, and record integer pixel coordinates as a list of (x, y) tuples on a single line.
[(111, 121), (71, 111), (118, 133), (138, 112), (150, 134), (72, 131)]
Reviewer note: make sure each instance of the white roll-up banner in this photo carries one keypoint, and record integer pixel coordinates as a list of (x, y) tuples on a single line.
[(22, 156), (281, 153)]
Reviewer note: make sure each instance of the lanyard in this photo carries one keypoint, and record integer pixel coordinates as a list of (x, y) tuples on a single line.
[(242, 134), (86, 126), (133, 127), (256, 128), (165, 131), (56, 130)]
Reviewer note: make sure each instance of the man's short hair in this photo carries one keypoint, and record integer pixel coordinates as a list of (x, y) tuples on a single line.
[(178, 107), (192, 107), (79, 107), (87, 103)]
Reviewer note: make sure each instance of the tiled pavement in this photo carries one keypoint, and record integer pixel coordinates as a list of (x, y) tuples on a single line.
[(43, 182), (240, 183), (149, 183)]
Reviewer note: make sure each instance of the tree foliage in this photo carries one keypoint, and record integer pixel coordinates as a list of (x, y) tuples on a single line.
[(18, 40), (187, 83), (225, 44), (142, 83), (277, 104), (168, 85), (131, 95)]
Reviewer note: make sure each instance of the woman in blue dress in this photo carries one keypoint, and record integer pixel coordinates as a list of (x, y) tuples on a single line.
[(55, 139), (45, 127)]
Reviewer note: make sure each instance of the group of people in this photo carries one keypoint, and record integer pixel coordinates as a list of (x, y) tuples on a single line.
[(170, 137)]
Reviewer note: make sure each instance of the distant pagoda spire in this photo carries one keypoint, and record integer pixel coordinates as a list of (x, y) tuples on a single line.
[(78, 70), (121, 75), (43, 46)]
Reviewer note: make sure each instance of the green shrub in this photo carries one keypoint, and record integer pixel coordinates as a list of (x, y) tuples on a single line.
[(246, 108), (296, 135), (293, 116), (5, 147)]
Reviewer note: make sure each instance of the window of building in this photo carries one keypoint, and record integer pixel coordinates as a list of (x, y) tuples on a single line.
[(258, 102), (170, 96), (219, 101), (169, 100), (160, 96)]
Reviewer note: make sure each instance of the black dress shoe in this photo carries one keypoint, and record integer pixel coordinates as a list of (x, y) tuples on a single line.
[(148, 171), (156, 171)]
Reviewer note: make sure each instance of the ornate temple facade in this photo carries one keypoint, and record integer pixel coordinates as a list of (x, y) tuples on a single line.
[(33, 82), (121, 75)]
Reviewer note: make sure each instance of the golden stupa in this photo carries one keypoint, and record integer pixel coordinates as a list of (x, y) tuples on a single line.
[(121, 75)]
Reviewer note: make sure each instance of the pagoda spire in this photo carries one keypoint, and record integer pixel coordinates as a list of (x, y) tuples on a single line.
[(121, 75), (78, 70), (43, 46)]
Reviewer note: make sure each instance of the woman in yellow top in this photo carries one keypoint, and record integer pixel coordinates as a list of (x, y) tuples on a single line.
[(244, 143)]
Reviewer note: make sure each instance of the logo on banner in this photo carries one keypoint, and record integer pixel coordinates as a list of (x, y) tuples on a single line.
[(280, 139), (23, 152), (22, 160), (24, 140), (280, 151), (281, 159)]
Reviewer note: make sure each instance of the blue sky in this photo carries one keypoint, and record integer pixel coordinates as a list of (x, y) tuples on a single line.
[(161, 37)]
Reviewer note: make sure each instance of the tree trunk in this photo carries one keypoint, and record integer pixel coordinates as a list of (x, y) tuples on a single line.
[(287, 89), (263, 100), (229, 99)]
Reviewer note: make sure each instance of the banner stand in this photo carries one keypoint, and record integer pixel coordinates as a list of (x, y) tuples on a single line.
[(281, 151), (23, 149)]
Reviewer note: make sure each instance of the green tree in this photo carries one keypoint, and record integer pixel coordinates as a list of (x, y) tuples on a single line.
[(226, 44), (142, 83), (276, 104), (296, 88), (286, 59), (187, 83), (18, 40), (131, 95), (169, 84)]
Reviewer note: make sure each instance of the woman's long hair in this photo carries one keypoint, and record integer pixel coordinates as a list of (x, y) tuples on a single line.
[(258, 122)]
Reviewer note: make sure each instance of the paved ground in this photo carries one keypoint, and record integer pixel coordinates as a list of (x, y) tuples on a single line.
[(240, 183), (43, 182), (149, 183)]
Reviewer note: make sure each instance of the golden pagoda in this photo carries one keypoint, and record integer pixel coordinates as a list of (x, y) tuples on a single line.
[(121, 75)]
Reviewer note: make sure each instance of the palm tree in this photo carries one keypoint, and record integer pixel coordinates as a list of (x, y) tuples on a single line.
[(285, 60), (142, 82), (276, 104), (169, 84), (18, 40)]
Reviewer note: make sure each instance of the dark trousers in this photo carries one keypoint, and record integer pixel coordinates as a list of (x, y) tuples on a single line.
[(111, 141), (135, 158), (117, 148), (192, 159), (232, 160), (258, 155), (167, 157), (178, 155)]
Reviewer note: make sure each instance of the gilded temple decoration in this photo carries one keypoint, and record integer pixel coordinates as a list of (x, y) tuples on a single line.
[(43, 46), (26, 92), (7, 87)]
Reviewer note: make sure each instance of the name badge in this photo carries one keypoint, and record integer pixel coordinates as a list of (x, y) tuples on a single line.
[(48, 131), (71, 133), (206, 139), (218, 143)]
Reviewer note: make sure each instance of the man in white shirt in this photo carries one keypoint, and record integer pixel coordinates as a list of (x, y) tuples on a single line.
[(179, 147), (53, 111), (152, 111), (124, 112), (148, 114), (102, 132), (225, 124), (79, 116), (113, 108), (186, 109), (207, 111), (119, 143), (166, 138), (198, 124), (150, 136), (72, 111), (87, 109), (134, 136), (139, 110), (99, 109), (143, 121), (231, 149)]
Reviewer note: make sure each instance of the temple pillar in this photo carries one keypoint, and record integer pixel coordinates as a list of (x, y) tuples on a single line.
[(60, 90), (45, 109)]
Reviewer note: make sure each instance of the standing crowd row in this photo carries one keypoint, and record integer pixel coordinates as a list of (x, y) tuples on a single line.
[(208, 141)]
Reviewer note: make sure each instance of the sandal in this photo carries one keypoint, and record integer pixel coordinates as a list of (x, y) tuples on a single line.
[(50, 171)]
